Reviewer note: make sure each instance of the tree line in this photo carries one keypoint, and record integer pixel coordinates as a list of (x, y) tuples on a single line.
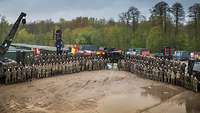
[(167, 26)]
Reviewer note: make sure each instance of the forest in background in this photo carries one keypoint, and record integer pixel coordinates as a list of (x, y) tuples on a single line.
[(171, 26)]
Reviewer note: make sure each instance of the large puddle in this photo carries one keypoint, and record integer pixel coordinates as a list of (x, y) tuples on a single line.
[(154, 99), (126, 103)]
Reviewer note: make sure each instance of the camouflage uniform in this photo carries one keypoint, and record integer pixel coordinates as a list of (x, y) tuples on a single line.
[(70, 67), (169, 77), (87, 65), (186, 81), (173, 76), (39, 70), (67, 68), (195, 84), (8, 76), (23, 76), (29, 76), (18, 76), (157, 74), (90, 65), (119, 65)]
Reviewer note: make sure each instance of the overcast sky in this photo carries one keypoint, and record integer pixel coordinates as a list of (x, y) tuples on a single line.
[(69, 9)]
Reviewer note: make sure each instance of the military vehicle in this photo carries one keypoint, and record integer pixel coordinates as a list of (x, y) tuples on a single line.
[(5, 62), (166, 53), (181, 55), (114, 54), (194, 68)]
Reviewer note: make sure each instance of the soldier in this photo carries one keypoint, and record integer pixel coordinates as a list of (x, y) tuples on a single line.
[(18, 75), (93, 63), (160, 75), (154, 73), (195, 84), (157, 73), (119, 64), (50, 69), (39, 70), (56, 68), (98, 62), (63, 68), (33, 71), (70, 67), (23, 75), (103, 63), (8, 76), (186, 81), (14, 75), (79, 65), (83, 64), (29, 76), (169, 78), (42, 71), (75, 66), (53, 69), (173, 76), (183, 66), (123, 63), (131, 66), (67, 67), (151, 72), (87, 65), (90, 65), (47, 68)]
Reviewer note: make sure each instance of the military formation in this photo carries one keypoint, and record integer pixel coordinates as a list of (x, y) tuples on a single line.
[(49, 65), (163, 70), (52, 65)]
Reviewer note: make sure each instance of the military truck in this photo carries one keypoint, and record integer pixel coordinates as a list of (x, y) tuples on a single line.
[(194, 68), (5, 62)]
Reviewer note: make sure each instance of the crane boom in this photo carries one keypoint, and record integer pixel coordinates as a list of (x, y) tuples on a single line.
[(8, 40)]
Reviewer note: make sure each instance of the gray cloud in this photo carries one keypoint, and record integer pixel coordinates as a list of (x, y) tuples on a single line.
[(69, 9)]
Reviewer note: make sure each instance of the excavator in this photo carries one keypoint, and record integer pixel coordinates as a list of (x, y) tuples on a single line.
[(4, 62)]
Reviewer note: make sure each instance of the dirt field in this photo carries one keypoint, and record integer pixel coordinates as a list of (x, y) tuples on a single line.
[(97, 92)]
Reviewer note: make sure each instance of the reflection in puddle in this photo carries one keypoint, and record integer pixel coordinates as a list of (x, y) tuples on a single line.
[(154, 99), (192, 103), (126, 103), (161, 92)]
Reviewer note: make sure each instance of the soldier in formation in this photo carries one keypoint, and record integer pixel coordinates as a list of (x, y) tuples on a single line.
[(52, 65), (163, 70), (49, 65)]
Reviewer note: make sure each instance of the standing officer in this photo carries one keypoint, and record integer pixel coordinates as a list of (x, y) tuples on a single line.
[(173, 76), (8, 76), (14, 73), (29, 75), (23, 74), (18, 76), (195, 84), (90, 65)]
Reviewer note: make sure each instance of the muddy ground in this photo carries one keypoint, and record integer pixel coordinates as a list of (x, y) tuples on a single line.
[(97, 92)]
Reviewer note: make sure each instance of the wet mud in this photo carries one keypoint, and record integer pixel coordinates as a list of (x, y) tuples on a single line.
[(97, 92)]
